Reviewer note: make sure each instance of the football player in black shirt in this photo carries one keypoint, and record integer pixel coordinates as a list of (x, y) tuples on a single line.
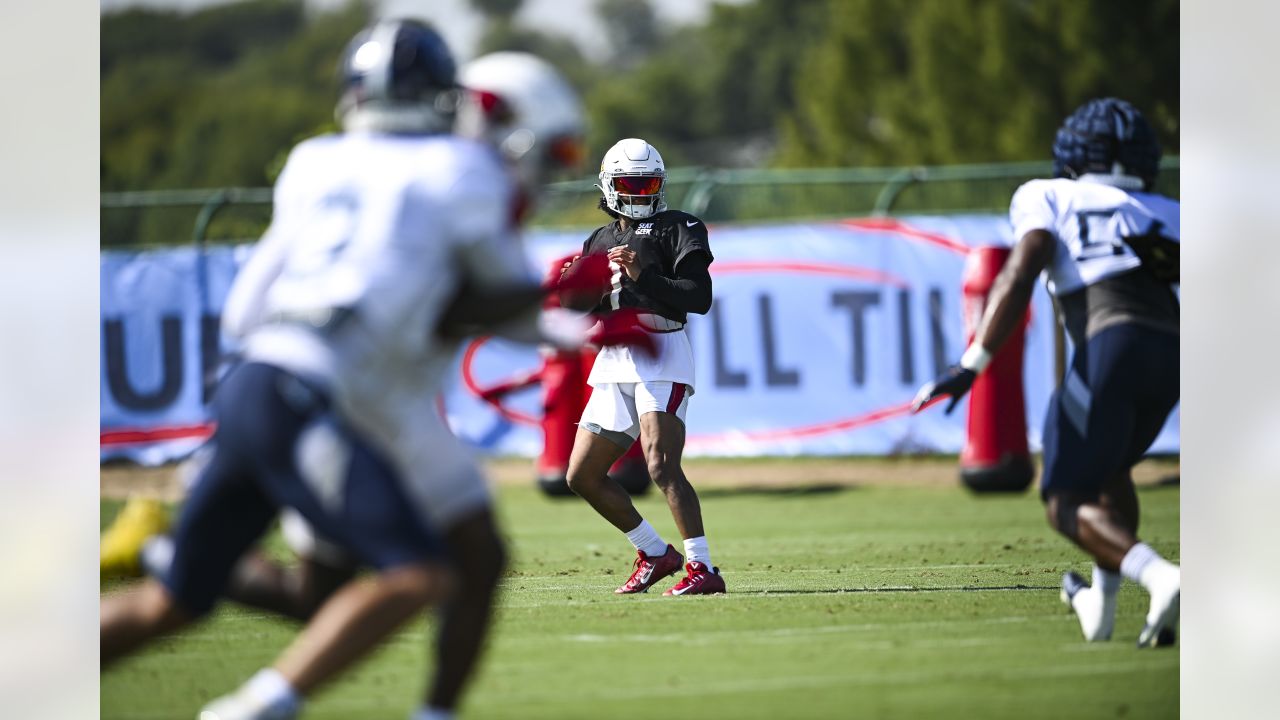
[(660, 259)]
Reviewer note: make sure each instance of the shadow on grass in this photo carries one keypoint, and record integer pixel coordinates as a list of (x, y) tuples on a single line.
[(781, 491)]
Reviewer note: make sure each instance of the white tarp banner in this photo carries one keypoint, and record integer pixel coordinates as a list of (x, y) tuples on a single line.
[(819, 335)]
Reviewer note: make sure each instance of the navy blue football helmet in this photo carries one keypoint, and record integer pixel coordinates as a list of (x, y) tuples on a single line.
[(398, 76), (1107, 137)]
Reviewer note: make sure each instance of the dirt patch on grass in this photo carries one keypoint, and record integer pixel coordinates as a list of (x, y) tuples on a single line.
[(118, 481)]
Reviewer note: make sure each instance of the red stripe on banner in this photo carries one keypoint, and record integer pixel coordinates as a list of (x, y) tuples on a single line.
[(469, 382), (825, 428), (897, 227), (810, 268), (677, 396), (135, 435)]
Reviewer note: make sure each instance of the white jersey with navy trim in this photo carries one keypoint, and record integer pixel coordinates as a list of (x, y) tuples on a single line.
[(371, 238), (1090, 221)]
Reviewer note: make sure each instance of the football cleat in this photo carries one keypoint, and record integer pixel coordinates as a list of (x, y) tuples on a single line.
[(699, 580), (1162, 618), (244, 705), (649, 570), (120, 552), (1097, 616)]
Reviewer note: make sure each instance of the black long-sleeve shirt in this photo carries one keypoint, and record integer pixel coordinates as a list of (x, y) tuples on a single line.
[(689, 291), (673, 253)]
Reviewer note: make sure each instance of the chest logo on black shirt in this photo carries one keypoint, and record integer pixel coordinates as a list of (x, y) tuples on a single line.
[(645, 229)]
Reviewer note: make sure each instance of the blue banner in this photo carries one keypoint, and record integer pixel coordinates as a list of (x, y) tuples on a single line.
[(819, 336)]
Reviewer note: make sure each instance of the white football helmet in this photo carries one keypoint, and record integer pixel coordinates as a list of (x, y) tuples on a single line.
[(525, 108), (633, 179)]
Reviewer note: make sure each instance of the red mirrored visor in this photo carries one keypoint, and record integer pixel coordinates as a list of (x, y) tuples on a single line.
[(568, 151), (637, 184)]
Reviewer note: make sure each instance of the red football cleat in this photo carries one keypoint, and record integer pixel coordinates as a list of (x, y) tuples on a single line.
[(649, 570), (701, 580)]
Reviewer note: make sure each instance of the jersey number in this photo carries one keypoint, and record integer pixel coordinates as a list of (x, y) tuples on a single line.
[(1157, 252), (329, 230)]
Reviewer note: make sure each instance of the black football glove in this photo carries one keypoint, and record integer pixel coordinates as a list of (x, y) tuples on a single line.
[(955, 382)]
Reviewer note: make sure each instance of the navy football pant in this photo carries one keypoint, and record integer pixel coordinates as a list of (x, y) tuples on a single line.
[(1109, 409), (278, 445)]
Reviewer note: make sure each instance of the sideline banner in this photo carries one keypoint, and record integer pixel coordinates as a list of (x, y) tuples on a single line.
[(818, 338)]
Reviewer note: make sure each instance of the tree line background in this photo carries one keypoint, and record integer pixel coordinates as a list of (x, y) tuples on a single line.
[(215, 98)]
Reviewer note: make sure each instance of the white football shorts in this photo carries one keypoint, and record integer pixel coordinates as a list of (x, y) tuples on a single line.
[(614, 409)]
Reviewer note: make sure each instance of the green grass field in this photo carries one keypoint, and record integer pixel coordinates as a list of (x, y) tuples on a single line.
[(872, 601)]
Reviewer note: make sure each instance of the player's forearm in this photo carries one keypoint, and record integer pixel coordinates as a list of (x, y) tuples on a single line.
[(689, 292), (476, 310), (1009, 297), (1006, 306)]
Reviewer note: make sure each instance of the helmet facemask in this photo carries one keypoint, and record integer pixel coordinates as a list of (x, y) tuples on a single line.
[(635, 196)]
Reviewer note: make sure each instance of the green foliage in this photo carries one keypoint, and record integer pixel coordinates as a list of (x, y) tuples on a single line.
[(497, 9), (632, 29), (217, 97), (563, 54), (893, 82), (713, 94), (211, 99)]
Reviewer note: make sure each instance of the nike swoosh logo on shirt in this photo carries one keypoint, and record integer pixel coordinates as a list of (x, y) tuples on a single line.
[(690, 224)]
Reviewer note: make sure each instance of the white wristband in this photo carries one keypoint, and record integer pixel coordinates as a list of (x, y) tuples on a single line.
[(976, 358)]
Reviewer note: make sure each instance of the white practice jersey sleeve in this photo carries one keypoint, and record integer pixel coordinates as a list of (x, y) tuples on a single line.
[(245, 306), (1090, 222)]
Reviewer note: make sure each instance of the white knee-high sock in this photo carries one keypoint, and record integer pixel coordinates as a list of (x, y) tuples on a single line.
[(646, 540), (1106, 582), (1144, 566), (157, 555), (269, 686)]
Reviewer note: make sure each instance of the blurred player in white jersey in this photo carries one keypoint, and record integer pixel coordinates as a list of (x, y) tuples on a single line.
[(659, 259), (376, 234), (1108, 248), (522, 107)]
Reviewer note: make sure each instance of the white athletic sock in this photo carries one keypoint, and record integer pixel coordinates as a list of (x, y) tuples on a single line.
[(696, 549), (430, 713), (1106, 581), (646, 540), (271, 687), (1145, 566), (157, 555)]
